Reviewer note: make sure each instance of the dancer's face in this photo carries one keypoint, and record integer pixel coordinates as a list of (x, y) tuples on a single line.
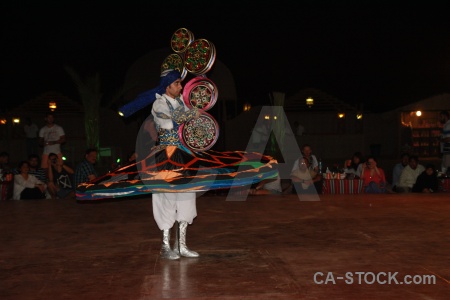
[(174, 89)]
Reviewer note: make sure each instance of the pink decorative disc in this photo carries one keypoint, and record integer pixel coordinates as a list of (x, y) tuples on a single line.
[(200, 92)]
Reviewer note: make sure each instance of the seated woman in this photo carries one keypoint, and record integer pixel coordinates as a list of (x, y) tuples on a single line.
[(305, 179), (353, 167), (427, 181), (374, 178), (27, 186)]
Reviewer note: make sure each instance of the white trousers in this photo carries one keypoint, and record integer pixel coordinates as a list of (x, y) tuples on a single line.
[(171, 207)]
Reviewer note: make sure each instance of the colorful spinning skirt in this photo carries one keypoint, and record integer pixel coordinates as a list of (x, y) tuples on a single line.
[(175, 169)]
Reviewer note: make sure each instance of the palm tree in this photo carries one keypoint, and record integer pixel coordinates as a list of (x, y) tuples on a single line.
[(89, 90)]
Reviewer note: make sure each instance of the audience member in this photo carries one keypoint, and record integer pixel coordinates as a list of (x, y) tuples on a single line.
[(85, 170), (27, 186), (31, 136), (268, 187), (427, 181), (35, 169), (304, 178), (307, 153), (398, 168), (354, 166), (373, 177), (59, 175), (444, 118), (4, 162), (409, 175), (51, 136)]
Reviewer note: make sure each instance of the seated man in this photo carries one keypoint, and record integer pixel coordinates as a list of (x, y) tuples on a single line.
[(38, 172), (59, 175), (305, 179), (85, 170), (35, 169), (398, 168), (409, 175), (4, 162)]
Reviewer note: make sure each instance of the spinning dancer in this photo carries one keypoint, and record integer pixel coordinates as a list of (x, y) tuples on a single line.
[(169, 112), (174, 170)]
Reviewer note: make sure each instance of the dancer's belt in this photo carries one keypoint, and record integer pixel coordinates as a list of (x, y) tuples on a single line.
[(168, 137)]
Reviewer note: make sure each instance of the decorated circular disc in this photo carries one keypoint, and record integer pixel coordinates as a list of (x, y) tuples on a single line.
[(211, 61), (174, 62), (199, 134), (199, 55), (181, 39), (200, 92)]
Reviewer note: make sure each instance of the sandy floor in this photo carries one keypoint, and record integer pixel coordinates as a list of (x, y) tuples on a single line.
[(267, 247)]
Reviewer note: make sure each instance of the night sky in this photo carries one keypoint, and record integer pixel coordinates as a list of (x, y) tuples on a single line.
[(383, 55)]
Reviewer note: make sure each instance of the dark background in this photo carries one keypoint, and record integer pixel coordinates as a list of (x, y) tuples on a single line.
[(382, 54)]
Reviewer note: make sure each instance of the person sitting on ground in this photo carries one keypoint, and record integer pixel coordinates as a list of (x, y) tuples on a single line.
[(353, 167), (305, 179), (85, 170), (59, 174), (427, 181), (35, 169), (398, 168), (373, 177), (409, 175), (27, 186), (268, 187)]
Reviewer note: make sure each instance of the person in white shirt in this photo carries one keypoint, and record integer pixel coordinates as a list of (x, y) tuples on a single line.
[(51, 136), (27, 186), (398, 168), (307, 153), (409, 175), (268, 187)]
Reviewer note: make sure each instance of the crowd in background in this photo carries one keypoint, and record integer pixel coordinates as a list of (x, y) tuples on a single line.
[(48, 176)]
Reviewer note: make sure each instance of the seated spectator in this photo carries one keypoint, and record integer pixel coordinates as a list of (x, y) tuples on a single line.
[(27, 186), (398, 168), (427, 181), (409, 175), (353, 167), (307, 153), (304, 178), (35, 169), (268, 187), (85, 170), (59, 175), (373, 177), (4, 162)]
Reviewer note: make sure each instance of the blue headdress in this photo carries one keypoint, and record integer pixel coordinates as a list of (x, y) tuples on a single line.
[(148, 97)]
